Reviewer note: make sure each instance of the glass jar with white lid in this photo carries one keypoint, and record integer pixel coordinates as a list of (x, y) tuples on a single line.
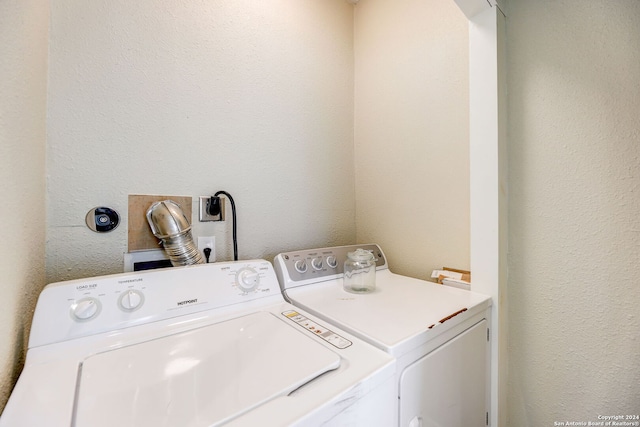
[(360, 272)]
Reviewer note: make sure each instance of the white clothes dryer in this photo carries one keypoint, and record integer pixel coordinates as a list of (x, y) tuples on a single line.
[(205, 345), (438, 334)]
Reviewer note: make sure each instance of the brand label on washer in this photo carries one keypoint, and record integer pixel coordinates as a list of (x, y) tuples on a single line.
[(187, 302)]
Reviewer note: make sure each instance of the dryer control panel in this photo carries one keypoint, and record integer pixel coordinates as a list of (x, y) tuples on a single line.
[(316, 265), (83, 307)]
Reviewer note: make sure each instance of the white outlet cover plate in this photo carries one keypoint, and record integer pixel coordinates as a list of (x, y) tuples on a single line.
[(207, 242)]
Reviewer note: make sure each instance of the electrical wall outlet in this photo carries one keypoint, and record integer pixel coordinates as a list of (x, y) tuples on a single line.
[(205, 215), (207, 242)]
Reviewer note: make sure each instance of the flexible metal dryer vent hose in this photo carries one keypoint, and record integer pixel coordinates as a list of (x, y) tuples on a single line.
[(169, 224)]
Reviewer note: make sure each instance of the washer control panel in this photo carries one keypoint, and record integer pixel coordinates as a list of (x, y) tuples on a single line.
[(83, 307), (311, 265), (317, 329)]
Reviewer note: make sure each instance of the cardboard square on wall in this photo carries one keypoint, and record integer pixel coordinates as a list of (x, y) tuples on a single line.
[(140, 236)]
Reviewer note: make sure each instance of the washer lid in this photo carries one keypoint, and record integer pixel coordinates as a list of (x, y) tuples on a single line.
[(201, 377)]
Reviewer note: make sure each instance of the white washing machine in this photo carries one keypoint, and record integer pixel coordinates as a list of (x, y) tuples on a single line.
[(205, 345), (438, 334)]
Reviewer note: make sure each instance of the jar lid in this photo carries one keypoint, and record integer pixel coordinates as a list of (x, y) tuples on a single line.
[(361, 255)]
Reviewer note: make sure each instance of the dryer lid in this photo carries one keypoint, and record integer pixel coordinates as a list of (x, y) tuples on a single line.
[(396, 317), (201, 377)]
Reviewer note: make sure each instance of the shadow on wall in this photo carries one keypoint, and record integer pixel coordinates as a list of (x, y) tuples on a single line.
[(15, 362)]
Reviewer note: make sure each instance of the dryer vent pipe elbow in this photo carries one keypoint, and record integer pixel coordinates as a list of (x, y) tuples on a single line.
[(169, 224)]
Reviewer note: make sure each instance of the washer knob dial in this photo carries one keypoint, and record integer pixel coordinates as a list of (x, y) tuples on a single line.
[(316, 263), (131, 300), (85, 309), (300, 266), (247, 279)]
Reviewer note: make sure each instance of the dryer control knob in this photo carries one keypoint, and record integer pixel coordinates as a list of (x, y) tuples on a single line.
[(85, 309), (131, 300), (300, 266), (316, 263), (332, 262), (247, 279)]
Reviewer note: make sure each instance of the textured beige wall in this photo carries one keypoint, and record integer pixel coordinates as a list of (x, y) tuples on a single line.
[(412, 132), (574, 210), (23, 76), (187, 98)]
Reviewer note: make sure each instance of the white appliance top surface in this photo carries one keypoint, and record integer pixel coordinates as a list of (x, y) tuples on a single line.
[(401, 314), (204, 376)]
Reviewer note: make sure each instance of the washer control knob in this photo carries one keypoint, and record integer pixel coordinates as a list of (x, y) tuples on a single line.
[(316, 263), (300, 266), (332, 262), (131, 300), (247, 279), (85, 309)]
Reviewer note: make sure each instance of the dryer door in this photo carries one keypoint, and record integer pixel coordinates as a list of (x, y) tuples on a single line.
[(448, 387), (202, 377)]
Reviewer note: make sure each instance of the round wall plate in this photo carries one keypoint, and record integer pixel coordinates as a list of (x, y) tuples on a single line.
[(102, 219)]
